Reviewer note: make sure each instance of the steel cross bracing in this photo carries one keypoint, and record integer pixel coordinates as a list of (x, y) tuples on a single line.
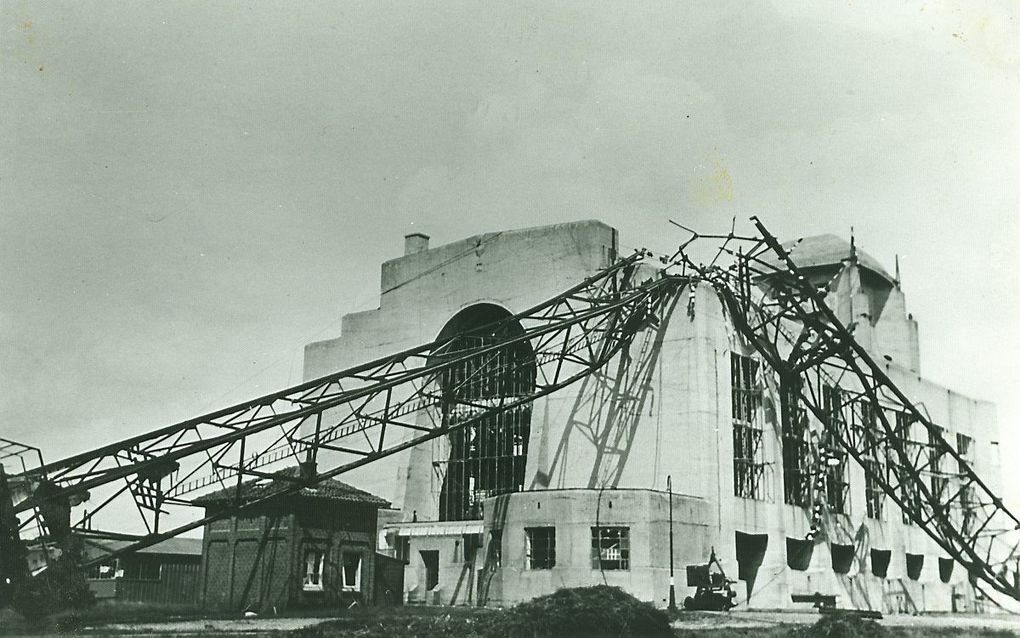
[(359, 415), (784, 316)]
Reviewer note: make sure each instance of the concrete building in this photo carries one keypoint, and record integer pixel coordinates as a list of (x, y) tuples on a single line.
[(572, 490)]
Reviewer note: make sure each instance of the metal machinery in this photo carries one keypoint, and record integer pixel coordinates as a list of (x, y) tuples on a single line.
[(714, 590), (377, 409)]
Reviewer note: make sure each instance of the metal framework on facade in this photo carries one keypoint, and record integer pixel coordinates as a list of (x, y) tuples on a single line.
[(784, 316), (442, 389), (487, 457)]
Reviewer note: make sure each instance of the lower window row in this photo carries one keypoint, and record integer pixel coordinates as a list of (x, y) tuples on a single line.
[(610, 547), (315, 563)]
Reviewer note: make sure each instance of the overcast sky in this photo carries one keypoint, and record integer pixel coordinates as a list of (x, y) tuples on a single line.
[(190, 192)]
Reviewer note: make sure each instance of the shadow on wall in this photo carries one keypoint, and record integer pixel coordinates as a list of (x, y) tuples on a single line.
[(609, 407), (260, 585), (493, 548), (850, 562)]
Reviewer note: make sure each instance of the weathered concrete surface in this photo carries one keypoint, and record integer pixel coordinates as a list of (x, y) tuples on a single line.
[(662, 410)]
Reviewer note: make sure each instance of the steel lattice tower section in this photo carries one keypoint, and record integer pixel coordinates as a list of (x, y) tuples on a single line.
[(359, 415), (380, 408), (784, 316)]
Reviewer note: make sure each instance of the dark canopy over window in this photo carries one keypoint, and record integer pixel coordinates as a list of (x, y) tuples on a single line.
[(750, 552), (915, 562), (880, 562), (842, 557), (945, 569), (798, 553)]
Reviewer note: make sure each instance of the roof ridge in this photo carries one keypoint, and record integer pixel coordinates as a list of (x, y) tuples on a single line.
[(328, 488)]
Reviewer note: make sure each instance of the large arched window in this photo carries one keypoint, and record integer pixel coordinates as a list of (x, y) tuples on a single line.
[(489, 456)]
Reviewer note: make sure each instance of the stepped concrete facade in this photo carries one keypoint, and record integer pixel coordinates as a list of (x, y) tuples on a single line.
[(588, 501)]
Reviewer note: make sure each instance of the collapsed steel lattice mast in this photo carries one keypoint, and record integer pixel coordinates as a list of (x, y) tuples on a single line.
[(359, 415), (784, 316), (377, 409)]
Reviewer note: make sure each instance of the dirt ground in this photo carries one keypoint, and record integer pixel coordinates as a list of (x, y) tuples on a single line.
[(695, 624), (218, 627), (942, 624)]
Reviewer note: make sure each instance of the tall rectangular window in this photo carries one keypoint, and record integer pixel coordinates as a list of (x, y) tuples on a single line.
[(963, 448), (610, 548), (837, 486), (748, 455), (936, 452), (874, 460), (908, 493), (796, 473), (541, 550), (315, 560), (963, 443)]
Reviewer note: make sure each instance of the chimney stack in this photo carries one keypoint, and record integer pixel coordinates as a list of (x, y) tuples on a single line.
[(415, 243), (307, 469)]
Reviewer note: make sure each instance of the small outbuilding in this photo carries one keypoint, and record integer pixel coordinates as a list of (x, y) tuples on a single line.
[(166, 573), (311, 549)]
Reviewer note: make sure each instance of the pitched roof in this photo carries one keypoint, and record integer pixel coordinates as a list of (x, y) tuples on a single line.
[(180, 546), (830, 250), (330, 489)]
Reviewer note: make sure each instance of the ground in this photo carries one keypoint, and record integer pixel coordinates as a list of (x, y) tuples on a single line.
[(448, 622)]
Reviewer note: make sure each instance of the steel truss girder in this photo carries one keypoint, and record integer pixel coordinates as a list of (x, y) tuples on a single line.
[(361, 414), (789, 323)]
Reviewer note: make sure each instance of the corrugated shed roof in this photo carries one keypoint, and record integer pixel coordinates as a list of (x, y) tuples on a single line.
[(180, 546), (830, 250), (331, 489)]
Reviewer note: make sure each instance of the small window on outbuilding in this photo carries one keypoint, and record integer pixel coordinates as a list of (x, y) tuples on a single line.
[(314, 561), (403, 548), (141, 567), (351, 571), (103, 571)]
